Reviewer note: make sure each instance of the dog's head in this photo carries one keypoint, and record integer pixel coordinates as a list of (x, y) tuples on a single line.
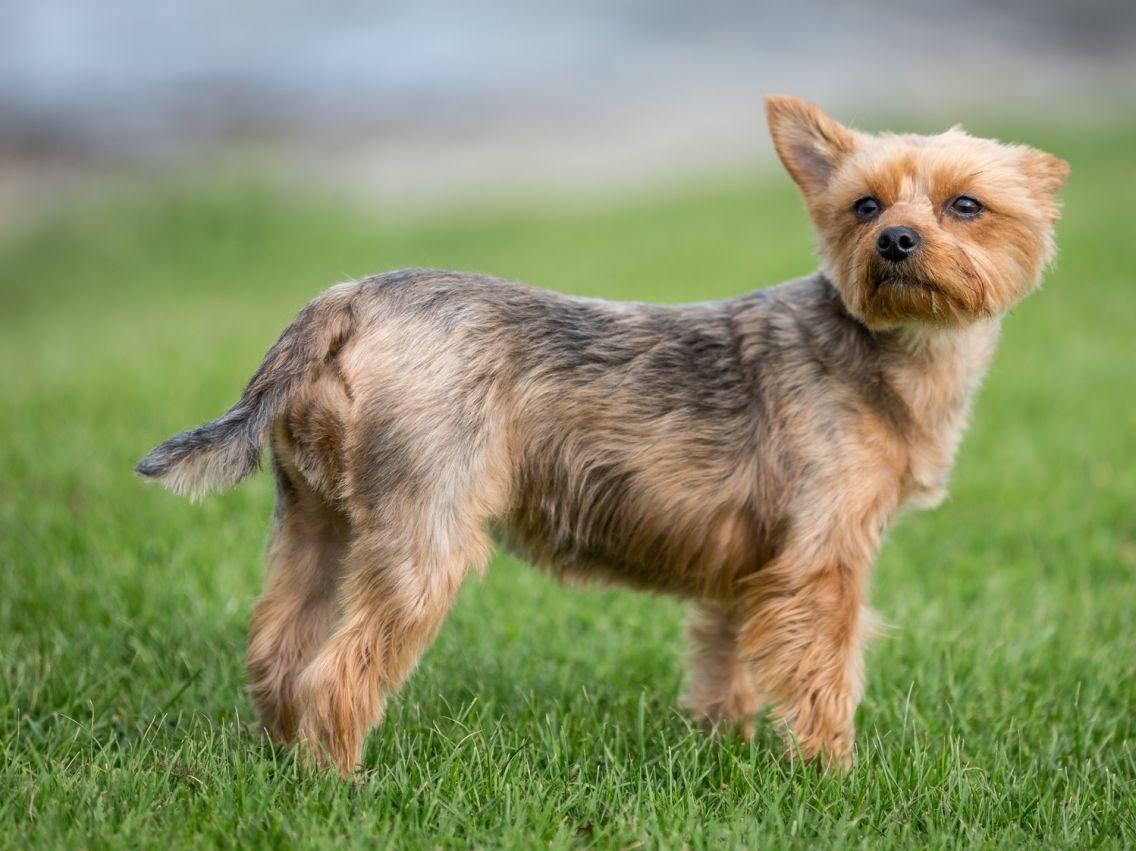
[(942, 229)]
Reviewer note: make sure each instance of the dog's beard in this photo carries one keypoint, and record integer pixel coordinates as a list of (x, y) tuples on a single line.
[(919, 291)]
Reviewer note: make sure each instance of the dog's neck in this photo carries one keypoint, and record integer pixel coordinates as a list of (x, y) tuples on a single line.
[(936, 372), (934, 369)]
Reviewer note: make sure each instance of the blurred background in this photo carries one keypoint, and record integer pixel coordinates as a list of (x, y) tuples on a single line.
[(411, 102), (178, 178)]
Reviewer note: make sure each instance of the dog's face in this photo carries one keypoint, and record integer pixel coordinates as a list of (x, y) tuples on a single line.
[(940, 229)]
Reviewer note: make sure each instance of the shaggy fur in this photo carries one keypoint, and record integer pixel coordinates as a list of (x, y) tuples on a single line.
[(746, 454)]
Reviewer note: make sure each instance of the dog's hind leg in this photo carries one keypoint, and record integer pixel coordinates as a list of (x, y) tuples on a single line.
[(293, 616), (395, 595), (418, 517)]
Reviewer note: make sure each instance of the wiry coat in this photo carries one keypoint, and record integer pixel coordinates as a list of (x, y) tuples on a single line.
[(746, 454)]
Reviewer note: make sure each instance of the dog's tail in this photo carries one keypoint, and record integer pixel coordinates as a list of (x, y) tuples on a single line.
[(220, 453)]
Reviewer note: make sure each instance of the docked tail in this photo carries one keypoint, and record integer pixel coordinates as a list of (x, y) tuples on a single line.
[(219, 454)]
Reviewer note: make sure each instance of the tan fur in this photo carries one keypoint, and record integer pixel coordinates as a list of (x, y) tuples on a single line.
[(747, 455), (966, 270), (294, 615)]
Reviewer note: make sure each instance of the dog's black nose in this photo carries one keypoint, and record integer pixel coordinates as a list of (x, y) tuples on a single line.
[(897, 243)]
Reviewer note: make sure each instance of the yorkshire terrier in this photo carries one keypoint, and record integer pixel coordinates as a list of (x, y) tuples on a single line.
[(745, 454)]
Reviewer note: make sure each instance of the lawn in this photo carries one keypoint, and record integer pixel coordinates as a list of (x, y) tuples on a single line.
[(1000, 705)]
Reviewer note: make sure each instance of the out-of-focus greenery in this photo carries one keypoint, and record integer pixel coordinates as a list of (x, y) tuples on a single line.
[(999, 709)]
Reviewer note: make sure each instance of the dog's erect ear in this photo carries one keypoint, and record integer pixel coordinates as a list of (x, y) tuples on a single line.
[(809, 143), (1045, 171)]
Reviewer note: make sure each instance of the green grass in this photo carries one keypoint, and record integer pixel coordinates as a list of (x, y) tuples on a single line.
[(999, 709)]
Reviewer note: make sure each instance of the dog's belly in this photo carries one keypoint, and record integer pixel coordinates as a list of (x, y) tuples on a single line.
[(692, 551)]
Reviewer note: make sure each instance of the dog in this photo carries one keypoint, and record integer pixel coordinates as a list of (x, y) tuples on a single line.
[(746, 454)]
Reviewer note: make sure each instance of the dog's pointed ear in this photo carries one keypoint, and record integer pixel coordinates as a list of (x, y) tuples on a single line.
[(1045, 171), (809, 143), (1045, 175)]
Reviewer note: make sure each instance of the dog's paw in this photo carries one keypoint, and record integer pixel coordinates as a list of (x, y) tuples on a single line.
[(720, 718)]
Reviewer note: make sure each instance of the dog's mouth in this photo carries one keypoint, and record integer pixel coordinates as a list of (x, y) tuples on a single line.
[(911, 296), (902, 282)]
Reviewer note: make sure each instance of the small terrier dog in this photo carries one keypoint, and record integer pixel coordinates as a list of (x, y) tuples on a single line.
[(745, 454)]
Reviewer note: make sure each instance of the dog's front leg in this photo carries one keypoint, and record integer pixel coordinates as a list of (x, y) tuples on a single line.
[(803, 633), (720, 681)]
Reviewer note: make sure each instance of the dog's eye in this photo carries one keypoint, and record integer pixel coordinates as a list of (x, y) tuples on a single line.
[(965, 207), (866, 208)]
